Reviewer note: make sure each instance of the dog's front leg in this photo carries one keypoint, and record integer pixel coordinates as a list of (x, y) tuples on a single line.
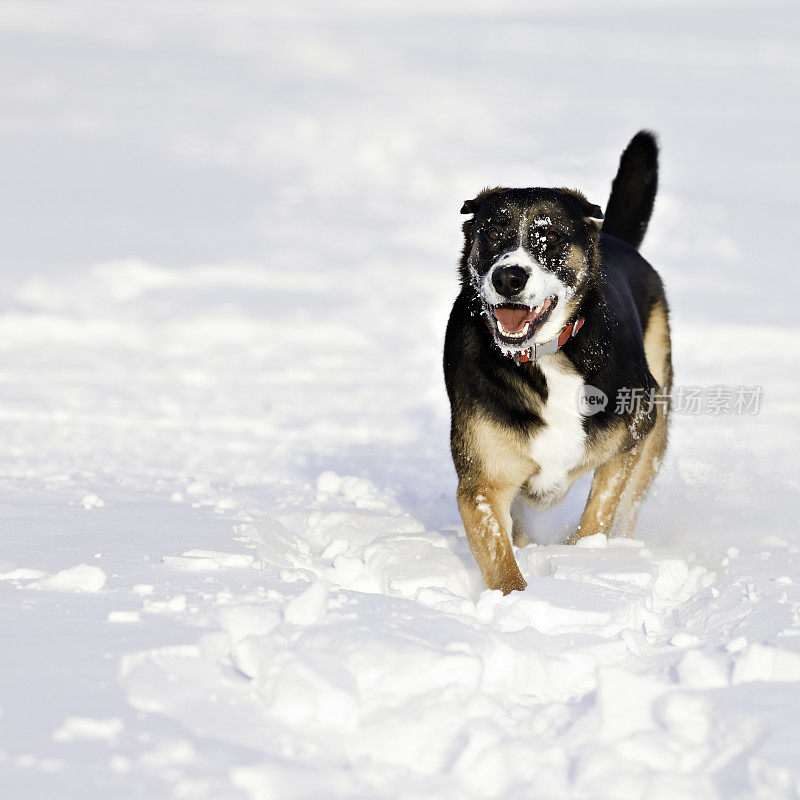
[(608, 486), (486, 512)]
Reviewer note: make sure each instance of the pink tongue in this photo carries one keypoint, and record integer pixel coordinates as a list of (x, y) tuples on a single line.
[(512, 319)]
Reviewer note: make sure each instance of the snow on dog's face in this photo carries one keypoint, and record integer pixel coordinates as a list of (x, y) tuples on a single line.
[(529, 256)]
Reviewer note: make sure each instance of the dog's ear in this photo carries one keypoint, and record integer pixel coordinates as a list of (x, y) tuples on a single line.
[(589, 209), (474, 205), (593, 211)]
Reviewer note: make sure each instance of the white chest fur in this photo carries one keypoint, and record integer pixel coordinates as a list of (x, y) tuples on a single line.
[(560, 444)]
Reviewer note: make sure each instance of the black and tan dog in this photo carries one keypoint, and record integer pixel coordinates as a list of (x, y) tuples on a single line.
[(553, 313)]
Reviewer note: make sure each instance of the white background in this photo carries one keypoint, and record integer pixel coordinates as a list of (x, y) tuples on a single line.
[(228, 238)]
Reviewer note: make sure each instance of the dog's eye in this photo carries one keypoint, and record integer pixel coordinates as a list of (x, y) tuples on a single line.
[(493, 233), (553, 236)]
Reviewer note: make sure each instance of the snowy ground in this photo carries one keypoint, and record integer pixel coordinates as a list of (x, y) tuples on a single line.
[(231, 564)]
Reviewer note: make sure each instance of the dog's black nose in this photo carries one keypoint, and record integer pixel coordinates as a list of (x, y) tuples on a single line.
[(509, 280)]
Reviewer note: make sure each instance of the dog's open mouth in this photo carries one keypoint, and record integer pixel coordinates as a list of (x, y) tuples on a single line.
[(515, 323)]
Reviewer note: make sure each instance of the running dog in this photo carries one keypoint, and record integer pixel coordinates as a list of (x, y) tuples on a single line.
[(558, 326)]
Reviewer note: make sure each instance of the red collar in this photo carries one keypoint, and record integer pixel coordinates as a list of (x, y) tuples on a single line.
[(536, 351)]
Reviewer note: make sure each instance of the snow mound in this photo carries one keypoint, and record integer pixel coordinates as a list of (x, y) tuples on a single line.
[(371, 641), (82, 578)]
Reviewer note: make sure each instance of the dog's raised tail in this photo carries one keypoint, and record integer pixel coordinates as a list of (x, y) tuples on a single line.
[(633, 191)]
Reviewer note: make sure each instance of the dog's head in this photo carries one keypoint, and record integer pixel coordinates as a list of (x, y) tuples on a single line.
[(529, 255)]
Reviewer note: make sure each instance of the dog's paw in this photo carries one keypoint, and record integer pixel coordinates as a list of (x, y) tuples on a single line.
[(509, 583), (579, 534), (515, 586)]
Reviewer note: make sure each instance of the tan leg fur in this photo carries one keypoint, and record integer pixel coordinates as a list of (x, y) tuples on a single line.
[(489, 480), (486, 512), (657, 347)]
